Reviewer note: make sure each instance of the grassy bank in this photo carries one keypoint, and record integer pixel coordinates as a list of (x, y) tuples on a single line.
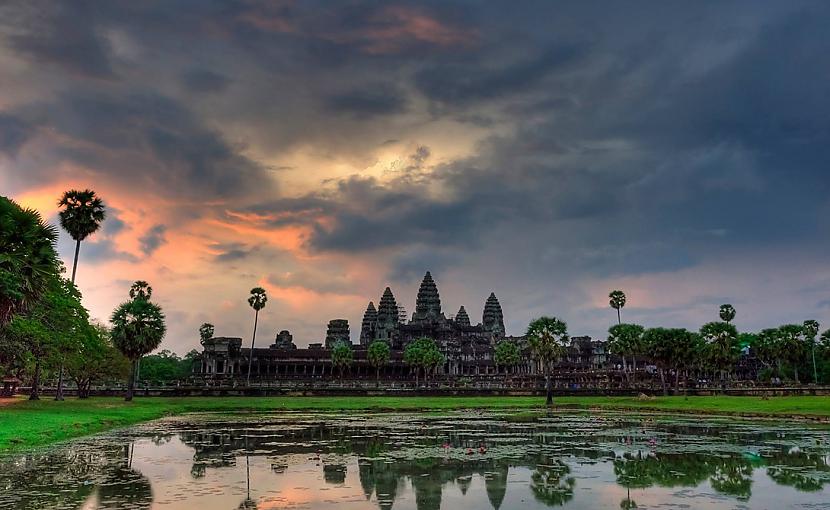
[(25, 424)]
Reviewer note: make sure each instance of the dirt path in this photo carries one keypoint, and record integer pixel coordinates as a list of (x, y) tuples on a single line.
[(4, 401)]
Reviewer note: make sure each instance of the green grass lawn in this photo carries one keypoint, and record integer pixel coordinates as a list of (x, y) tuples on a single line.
[(26, 424)]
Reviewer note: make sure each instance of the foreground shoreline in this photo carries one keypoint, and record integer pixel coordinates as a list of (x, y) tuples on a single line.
[(28, 424)]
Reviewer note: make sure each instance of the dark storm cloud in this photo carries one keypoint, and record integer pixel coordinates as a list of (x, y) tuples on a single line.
[(368, 101), (152, 239), (59, 34), (14, 132), (150, 139), (205, 81), (461, 83)]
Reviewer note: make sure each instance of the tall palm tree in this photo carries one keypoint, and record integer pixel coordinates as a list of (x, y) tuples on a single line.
[(28, 259), (82, 215), (811, 328), (257, 301), (548, 337), (727, 313), (137, 328), (617, 302)]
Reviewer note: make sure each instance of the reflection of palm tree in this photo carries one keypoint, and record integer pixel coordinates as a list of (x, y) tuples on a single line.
[(802, 471), (248, 503), (125, 487), (733, 476), (551, 484)]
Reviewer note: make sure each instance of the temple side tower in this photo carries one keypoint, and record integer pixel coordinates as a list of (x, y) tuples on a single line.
[(386, 326), (337, 331), (369, 324), (428, 303), (461, 318), (493, 318)]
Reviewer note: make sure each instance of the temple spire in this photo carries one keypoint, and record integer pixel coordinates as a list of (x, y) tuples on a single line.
[(461, 318), (387, 322), (368, 325), (493, 318), (428, 302)]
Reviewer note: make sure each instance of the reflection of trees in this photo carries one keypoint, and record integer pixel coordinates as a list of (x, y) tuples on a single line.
[(806, 472), (551, 483), (125, 488), (731, 475)]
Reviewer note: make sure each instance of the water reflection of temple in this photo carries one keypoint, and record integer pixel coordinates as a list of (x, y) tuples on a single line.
[(405, 457)]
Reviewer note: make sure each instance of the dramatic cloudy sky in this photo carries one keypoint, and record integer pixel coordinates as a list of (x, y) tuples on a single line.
[(548, 151)]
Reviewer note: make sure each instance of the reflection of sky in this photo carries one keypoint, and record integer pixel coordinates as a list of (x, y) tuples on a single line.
[(302, 485)]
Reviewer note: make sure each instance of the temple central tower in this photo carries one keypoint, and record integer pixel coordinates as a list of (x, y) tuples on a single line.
[(428, 302)]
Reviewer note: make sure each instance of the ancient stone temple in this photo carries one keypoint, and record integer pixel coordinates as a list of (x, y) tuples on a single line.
[(337, 332), (468, 348)]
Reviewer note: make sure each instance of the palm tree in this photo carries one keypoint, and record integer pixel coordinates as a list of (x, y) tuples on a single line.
[(82, 215), (137, 329), (811, 328), (141, 290), (617, 302), (257, 301), (722, 347), (626, 340), (727, 313), (342, 356), (378, 354), (791, 338), (205, 332), (28, 259), (548, 337)]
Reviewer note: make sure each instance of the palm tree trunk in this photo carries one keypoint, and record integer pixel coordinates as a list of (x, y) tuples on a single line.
[(75, 262), (815, 373), (548, 391), (131, 382), (35, 393), (619, 318), (251, 356)]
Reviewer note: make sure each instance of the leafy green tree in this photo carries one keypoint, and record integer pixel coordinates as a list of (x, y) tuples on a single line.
[(165, 367), (51, 328), (727, 313), (257, 301), (32, 333), (670, 349), (617, 302), (722, 348), (793, 346), (342, 356), (507, 354), (378, 355), (81, 216), (810, 328), (28, 259), (626, 340), (422, 354), (205, 332), (548, 338), (137, 329), (95, 360)]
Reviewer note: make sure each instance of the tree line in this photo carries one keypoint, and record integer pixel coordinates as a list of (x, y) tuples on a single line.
[(43, 324)]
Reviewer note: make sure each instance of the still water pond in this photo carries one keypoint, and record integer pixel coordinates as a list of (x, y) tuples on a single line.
[(452, 461)]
